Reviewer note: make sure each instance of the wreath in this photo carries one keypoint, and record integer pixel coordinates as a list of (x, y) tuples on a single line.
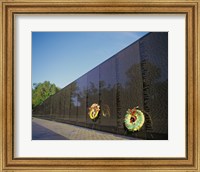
[(134, 119), (94, 111)]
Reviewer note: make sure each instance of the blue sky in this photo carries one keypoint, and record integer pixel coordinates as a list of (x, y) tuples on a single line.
[(62, 57)]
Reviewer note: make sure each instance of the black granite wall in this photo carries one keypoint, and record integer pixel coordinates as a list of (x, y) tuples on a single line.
[(136, 76)]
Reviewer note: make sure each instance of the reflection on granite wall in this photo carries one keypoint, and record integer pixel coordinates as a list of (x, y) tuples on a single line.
[(136, 76), (108, 93), (82, 97)]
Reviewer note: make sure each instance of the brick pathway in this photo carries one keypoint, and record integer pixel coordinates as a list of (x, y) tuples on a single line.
[(71, 132), (42, 133)]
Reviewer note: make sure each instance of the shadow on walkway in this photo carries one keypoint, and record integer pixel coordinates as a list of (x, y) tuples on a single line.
[(42, 133)]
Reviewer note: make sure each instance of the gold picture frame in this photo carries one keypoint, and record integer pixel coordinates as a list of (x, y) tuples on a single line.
[(190, 8)]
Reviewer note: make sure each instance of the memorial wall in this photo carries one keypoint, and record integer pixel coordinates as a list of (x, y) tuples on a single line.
[(137, 76)]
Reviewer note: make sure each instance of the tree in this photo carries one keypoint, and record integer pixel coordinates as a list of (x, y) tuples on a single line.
[(41, 91)]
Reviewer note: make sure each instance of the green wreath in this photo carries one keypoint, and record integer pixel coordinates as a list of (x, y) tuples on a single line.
[(134, 119)]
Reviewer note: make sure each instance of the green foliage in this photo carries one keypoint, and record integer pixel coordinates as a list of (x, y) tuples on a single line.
[(41, 91)]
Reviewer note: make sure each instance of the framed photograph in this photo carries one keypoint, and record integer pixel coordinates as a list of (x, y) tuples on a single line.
[(141, 100)]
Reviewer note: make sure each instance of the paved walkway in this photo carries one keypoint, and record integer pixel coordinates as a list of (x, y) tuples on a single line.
[(51, 130), (42, 133)]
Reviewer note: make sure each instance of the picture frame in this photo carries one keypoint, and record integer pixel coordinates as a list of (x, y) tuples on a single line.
[(7, 77)]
